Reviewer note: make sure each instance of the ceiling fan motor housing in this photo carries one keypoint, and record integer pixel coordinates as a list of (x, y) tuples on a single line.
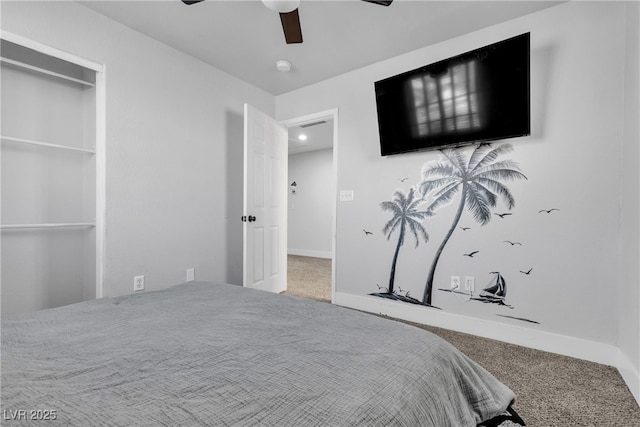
[(282, 6)]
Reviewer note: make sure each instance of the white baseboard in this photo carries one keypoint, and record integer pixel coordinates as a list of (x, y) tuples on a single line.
[(629, 374), (267, 286), (309, 252), (605, 354)]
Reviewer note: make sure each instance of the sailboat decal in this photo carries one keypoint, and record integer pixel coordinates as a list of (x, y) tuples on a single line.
[(496, 289), (495, 292)]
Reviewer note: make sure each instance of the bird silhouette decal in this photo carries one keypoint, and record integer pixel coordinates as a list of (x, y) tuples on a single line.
[(526, 272), (471, 254), (548, 210), (465, 228), (512, 243), (502, 215), (367, 233), (402, 179), (380, 288)]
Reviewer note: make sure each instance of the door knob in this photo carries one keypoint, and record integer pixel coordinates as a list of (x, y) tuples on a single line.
[(252, 218)]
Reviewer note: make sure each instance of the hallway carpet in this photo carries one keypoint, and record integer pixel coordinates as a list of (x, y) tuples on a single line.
[(309, 277)]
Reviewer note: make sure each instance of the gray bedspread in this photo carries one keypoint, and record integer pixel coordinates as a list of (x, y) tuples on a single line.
[(205, 354)]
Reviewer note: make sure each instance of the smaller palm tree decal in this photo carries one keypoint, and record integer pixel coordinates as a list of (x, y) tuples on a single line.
[(479, 179), (405, 215)]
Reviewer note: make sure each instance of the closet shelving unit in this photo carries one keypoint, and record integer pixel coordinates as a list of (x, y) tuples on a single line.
[(9, 139), (52, 198), (26, 66)]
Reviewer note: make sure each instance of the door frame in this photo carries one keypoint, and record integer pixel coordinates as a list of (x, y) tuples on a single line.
[(331, 114)]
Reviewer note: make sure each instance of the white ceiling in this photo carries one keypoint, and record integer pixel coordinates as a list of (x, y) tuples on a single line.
[(245, 39)]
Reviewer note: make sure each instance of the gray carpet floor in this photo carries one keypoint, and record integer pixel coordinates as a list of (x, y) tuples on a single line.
[(309, 277), (551, 390)]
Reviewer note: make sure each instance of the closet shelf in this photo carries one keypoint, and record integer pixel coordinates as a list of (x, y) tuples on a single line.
[(45, 144), (47, 225), (22, 65)]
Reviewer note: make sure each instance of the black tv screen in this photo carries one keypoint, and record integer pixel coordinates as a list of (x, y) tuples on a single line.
[(481, 95)]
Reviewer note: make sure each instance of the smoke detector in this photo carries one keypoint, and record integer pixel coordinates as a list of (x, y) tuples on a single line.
[(283, 66)]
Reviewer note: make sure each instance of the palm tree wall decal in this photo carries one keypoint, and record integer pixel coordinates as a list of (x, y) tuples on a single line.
[(479, 179), (405, 214)]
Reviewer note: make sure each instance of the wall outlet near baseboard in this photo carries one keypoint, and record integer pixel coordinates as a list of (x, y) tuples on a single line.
[(138, 283), (191, 274)]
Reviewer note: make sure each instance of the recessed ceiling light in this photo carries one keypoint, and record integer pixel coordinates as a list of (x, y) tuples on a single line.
[(302, 137)]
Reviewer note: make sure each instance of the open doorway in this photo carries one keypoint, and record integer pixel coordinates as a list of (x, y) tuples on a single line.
[(311, 206)]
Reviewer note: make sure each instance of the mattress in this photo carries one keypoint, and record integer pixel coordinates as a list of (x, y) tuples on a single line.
[(208, 354)]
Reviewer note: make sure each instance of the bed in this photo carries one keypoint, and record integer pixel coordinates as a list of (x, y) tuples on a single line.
[(207, 354)]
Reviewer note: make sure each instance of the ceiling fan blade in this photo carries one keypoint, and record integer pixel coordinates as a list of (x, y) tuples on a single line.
[(188, 2), (380, 2), (291, 27)]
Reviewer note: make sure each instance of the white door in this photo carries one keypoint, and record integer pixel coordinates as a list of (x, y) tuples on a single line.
[(265, 202)]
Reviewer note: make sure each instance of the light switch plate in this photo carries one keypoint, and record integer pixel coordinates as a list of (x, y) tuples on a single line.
[(346, 195), (469, 283)]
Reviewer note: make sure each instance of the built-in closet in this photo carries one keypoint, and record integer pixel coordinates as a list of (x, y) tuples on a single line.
[(52, 177)]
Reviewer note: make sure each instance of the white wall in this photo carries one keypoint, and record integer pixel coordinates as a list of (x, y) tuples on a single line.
[(310, 209), (572, 161), (173, 148), (629, 311)]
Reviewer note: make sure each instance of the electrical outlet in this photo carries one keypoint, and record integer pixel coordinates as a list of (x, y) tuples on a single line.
[(469, 283), (455, 282), (138, 283), (191, 274)]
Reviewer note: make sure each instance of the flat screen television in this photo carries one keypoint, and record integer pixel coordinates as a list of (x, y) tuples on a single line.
[(478, 96)]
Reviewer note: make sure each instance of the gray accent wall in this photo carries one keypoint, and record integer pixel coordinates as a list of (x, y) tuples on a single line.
[(584, 92)]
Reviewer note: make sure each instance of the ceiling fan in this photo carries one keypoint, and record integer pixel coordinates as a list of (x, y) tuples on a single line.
[(288, 10)]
